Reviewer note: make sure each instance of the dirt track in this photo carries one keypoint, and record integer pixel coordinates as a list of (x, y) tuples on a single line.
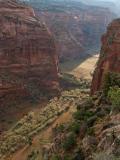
[(43, 138)]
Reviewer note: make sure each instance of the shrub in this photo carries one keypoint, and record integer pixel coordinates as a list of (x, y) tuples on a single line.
[(87, 104), (60, 128), (29, 141), (69, 81), (78, 155), (77, 115), (55, 157), (67, 157), (33, 155), (69, 141), (75, 127), (90, 131), (82, 115), (111, 79), (114, 96), (70, 78)]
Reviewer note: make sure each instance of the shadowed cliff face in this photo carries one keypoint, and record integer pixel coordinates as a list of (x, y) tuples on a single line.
[(109, 60), (77, 28), (28, 61)]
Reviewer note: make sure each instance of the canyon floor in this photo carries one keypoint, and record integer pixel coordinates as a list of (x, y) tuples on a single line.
[(8, 119), (78, 68), (81, 68), (86, 68), (44, 136), (39, 124)]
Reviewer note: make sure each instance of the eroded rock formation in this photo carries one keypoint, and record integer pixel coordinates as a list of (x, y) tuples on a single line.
[(77, 28), (28, 60), (109, 60)]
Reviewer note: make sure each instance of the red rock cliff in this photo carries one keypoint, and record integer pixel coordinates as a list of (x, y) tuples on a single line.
[(109, 60), (77, 27), (28, 61)]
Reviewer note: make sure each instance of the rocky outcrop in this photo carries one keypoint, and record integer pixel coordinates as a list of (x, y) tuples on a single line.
[(28, 61), (109, 60), (77, 28)]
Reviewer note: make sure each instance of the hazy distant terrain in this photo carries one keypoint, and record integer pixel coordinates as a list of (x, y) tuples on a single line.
[(114, 5)]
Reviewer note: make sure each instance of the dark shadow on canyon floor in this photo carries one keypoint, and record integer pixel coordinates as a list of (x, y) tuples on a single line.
[(71, 64)]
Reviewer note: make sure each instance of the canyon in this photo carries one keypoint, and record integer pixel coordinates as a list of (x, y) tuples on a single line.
[(28, 59), (77, 27), (45, 112)]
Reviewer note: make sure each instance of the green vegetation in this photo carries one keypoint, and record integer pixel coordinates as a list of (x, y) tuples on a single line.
[(75, 127), (78, 127), (90, 131), (111, 79), (31, 124), (30, 141), (33, 155), (55, 157), (69, 142), (60, 128), (78, 115), (114, 96), (67, 157), (111, 89), (83, 115), (68, 81), (70, 78)]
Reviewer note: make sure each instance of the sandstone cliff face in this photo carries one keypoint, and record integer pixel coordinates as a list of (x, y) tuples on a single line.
[(109, 60), (77, 28), (28, 61)]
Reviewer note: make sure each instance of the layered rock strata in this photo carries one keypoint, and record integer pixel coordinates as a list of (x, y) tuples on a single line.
[(28, 60)]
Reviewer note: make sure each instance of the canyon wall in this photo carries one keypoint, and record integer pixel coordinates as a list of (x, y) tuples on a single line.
[(109, 60), (77, 27), (28, 60)]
